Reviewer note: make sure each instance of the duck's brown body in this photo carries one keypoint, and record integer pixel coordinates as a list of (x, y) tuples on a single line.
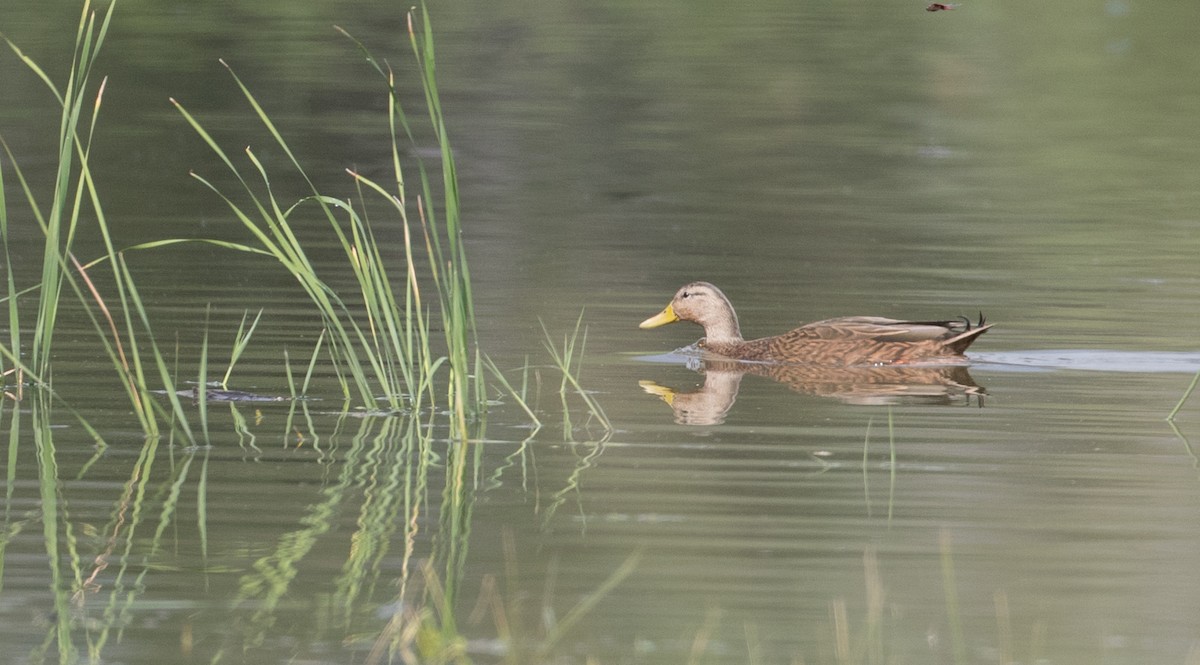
[(857, 340)]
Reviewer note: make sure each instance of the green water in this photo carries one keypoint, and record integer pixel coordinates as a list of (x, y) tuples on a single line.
[(1034, 161)]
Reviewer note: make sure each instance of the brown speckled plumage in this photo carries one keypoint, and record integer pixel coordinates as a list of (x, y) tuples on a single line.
[(855, 340)]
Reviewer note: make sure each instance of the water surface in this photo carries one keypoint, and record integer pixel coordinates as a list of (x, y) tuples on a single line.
[(1034, 161)]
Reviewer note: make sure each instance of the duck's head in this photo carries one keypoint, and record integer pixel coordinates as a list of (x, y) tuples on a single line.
[(703, 304)]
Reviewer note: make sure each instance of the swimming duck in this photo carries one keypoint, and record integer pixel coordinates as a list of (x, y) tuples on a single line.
[(853, 340)]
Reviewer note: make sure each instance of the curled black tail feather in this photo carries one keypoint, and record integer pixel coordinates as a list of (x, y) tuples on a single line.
[(961, 324), (959, 343)]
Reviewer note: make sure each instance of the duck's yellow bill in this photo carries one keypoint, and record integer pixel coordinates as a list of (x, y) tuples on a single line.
[(661, 319)]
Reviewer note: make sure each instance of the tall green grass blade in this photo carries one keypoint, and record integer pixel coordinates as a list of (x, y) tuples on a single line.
[(25, 188), (36, 69), (14, 316), (236, 246), (178, 414), (563, 360), (132, 379), (59, 239), (457, 304), (241, 341), (287, 372), (518, 396), (28, 192), (279, 140), (312, 364)]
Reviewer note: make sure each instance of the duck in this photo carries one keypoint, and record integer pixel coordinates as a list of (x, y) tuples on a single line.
[(846, 341)]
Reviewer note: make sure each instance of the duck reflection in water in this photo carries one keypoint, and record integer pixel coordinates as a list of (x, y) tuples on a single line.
[(709, 403), (858, 359)]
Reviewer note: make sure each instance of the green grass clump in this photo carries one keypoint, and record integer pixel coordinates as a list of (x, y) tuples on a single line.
[(73, 197), (569, 362), (382, 340), (383, 351), (383, 346)]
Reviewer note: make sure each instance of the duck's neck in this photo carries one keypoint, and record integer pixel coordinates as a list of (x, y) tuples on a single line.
[(723, 330)]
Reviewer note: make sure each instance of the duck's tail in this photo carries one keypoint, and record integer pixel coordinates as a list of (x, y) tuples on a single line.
[(959, 343)]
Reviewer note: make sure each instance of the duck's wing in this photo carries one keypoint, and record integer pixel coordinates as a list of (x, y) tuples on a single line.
[(879, 329)]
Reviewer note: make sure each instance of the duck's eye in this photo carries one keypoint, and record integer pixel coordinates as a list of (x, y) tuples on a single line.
[(685, 294)]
